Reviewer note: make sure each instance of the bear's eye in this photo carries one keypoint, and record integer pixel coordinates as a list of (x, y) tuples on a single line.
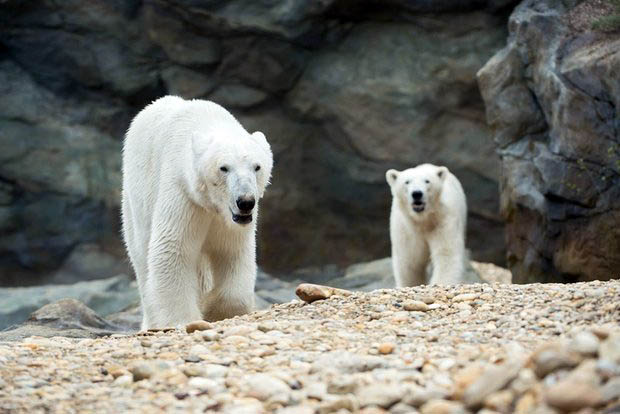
[(427, 182), (224, 169), (407, 182), (257, 168)]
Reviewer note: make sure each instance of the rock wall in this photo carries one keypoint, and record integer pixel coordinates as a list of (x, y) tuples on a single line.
[(553, 100), (343, 90)]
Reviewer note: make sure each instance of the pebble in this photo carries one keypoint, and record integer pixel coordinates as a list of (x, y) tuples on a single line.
[(492, 379), (550, 358), (386, 348), (443, 407), (197, 326), (415, 305), (465, 297), (263, 386), (570, 395), (610, 348), (309, 292), (585, 343), (381, 395)]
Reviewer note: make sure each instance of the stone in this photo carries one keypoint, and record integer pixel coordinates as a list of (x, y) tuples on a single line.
[(386, 348), (443, 407), (197, 326), (415, 305), (465, 297), (67, 317), (309, 292), (570, 395), (492, 379), (550, 358), (381, 395), (342, 385), (264, 387), (500, 401), (142, 370), (105, 297), (610, 348), (418, 396), (611, 390), (585, 343)]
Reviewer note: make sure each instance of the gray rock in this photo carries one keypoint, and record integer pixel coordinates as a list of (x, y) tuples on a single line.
[(494, 378), (551, 98), (67, 317), (348, 362), (263, 386), (585, 343), (381, 395), (105, 296), (610, 348)]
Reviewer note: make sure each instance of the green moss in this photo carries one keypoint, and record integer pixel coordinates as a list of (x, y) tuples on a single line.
[(609, 23)]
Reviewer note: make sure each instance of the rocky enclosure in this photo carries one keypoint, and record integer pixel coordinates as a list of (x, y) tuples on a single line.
[(553, 100), (343, 90)]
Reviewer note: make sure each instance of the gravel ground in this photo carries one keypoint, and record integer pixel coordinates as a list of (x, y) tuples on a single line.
[(475, 348)]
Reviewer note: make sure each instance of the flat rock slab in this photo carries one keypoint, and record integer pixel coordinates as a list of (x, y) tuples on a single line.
[(493, 352)]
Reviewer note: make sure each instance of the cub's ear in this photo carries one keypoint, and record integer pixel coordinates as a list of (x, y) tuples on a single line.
[(442, 172), (391, 176), (259, 137)]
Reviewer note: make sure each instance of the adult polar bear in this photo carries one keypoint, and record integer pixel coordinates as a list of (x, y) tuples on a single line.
[(192, 178), (427, 225)]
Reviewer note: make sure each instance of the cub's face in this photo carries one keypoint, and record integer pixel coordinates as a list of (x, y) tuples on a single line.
[(417, 189), (235, 175)]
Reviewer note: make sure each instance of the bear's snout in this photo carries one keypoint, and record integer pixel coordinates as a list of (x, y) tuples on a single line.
[(246, 204), (417, 196)]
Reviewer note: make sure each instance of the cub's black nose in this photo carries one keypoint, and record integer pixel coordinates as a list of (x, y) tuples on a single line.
[(417, 195), (246, 204)]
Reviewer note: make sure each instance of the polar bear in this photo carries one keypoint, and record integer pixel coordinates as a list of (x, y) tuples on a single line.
[(427, 225), (192, 179)]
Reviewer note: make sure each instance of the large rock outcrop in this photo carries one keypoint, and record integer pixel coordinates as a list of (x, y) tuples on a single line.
[(344, 90), (553, 100)]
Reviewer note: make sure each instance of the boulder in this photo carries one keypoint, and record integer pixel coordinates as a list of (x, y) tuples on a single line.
[(104, 296), (552, 100)]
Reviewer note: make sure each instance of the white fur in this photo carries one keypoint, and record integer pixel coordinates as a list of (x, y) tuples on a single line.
[(434, 236), (192, 261)]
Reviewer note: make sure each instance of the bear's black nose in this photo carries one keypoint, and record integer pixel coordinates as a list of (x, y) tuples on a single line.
[(246, 204), (417, 195)]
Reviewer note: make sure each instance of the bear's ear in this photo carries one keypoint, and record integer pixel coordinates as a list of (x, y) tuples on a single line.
[(199, 145), (391, 176), (259, 137), (442, 172)]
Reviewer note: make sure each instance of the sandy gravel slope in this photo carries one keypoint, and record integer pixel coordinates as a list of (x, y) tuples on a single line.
[(478, 348)]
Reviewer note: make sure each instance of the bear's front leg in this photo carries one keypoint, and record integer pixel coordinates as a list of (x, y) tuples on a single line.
[(447, 257), (171, 291), (170, 299), (234, 276)]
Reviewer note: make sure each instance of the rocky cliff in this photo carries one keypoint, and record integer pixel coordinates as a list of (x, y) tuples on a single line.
[(553, 101), (343, 90)]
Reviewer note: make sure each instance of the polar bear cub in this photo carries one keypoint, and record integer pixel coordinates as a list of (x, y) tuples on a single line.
[(192, 180), (427, 225)]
